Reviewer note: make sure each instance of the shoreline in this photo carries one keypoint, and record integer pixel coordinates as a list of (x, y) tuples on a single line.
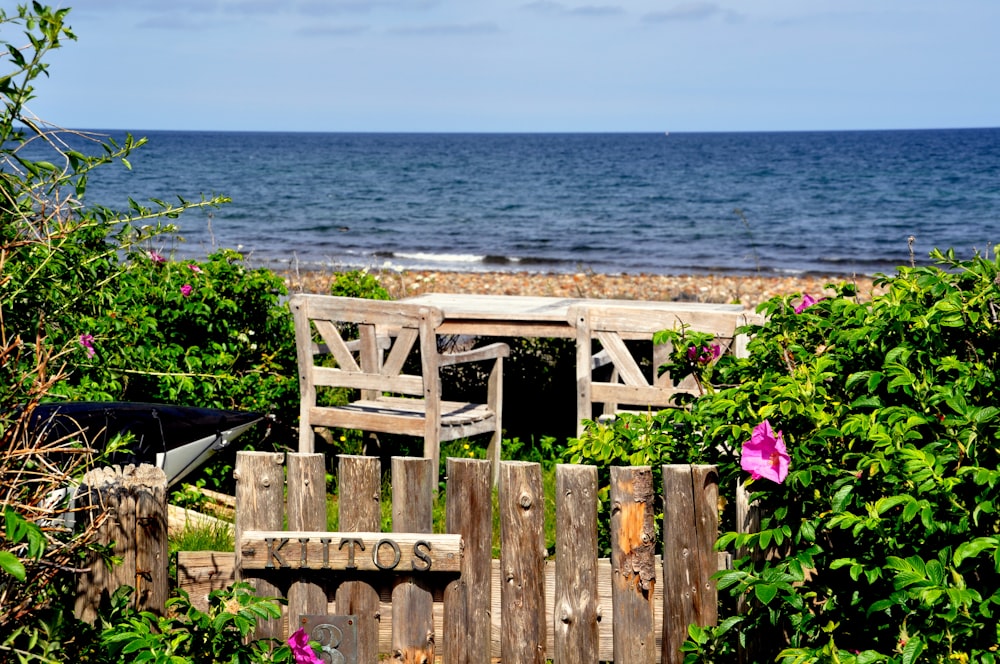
[(720, 289)]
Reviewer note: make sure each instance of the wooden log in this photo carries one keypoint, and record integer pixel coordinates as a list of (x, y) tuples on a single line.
[(469, 513), (576, 611), (306, 512), (180, 518), (633, 564), (151, 556), (134, 504), (690, 528), (359, 480), (413, 485), (522, 562), (260, 505)]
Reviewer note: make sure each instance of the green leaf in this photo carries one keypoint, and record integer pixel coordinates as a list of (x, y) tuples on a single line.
[(12, 565), (974, 548), (765, 592), (912, 650), (841, 498)]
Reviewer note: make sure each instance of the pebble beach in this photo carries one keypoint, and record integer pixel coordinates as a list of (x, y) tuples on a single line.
[(746, 290)]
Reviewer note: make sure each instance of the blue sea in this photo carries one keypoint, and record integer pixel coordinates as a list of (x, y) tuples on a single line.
[(828, 203)]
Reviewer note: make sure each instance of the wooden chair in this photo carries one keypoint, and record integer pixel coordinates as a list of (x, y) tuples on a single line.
[(370, 341), (629, 386)]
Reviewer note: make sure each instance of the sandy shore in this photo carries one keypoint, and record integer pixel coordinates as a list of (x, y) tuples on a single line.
[(747, 290)]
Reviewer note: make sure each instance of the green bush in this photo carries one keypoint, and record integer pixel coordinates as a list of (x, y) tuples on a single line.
[(358, 283), (90, 312), (882, 540)]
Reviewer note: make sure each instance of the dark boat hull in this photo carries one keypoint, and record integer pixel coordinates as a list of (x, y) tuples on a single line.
[(177, 439)]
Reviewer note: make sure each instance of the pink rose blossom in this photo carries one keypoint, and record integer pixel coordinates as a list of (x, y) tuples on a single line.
[(156, 257), (194, 268), (764, 455), (807, 301), (87, 341), (705, 354), (301, 650), (186, 290)]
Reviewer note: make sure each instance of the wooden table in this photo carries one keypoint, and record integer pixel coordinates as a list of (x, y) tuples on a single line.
[(530, 316)]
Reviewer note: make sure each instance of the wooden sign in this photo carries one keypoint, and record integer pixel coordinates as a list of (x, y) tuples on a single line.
[(363, 552)]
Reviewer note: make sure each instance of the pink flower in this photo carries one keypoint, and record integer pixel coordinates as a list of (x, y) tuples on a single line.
[(87, 341), (186, 290), (807, 301), (156, 257), (705, 354), (194, 268), (764, 455), (301, 650)]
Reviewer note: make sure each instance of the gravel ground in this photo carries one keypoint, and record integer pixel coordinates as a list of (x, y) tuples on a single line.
[(747, 290)]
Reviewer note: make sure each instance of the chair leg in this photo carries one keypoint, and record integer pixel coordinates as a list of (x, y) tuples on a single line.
[(432, 451)]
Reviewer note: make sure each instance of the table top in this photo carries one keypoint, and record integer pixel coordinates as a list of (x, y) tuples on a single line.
[(532, 316)]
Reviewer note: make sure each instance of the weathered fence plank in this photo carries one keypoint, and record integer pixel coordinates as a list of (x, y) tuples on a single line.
[(633, 564), (360, 477), (306, 512), (413, 490), (469, 513), (201, 572), (690, 527), (260, 505), (522, 561), (576, 609), (134, 502)]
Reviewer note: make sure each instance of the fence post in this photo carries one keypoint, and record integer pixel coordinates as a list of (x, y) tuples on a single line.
[(135, 501), (575, 611), (359, 487), (633, 564), (469, 513), (260, 505), (412, 597), (522, 563), (306, 512), (690, 528)]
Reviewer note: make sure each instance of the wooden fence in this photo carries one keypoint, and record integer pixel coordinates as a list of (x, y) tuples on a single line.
[(129, 508), (418, 596)]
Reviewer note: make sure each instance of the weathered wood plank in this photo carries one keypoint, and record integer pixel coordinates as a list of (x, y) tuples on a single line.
[(132, 503), (260, 505), (576, 610), (359, 487), (522, 559), (413, 638), (306, 512), (357, 552), (201, 572), (469, 513), (690, 527), (149, 487), (633, 564)]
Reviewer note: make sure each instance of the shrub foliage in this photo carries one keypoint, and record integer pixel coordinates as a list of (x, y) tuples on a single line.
[(882, 542), (90, 310)]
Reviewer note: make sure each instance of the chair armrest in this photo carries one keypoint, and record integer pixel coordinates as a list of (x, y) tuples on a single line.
[(491, 352)]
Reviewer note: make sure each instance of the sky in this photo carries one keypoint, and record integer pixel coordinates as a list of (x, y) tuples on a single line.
[(524, 65)]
